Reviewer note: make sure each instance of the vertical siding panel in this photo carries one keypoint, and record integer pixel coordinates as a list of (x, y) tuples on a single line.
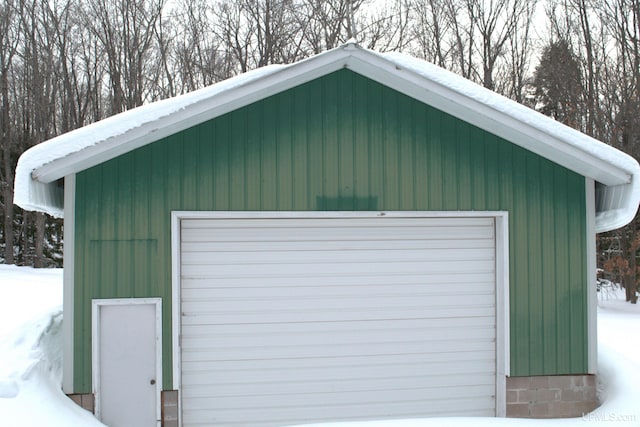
[(491, 171), (577, 279), (463, 166), (122, 254), (141, 215), (563, 285), (299, 177), (204, 150), (221, 155), (269, 160), (534, 232), (174, 173), (389, 134), (330, 153), (345, 134), (477, 173), (421, 158), (141, 212), (104, 231), (361, 116), (282, 123), (405, 165), (190, 168), (435, 173), (253, 159), (314, 145), (548, 257), (237, 161), (449, 166), (520, 241), (376, 145)]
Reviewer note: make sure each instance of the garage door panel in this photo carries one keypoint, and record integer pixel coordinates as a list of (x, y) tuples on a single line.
[(311, 303), (436, 281), (280, 344), (355, 378), (199, 291), (286, 321), (352, 245), (365, 374), (320, 234), (483, 384), (367, 326), (335, 223), (221, 258), (341, 315), (295, 414), (342, 365), (258, 353), (321, 269), (330, 397), (321, 338)]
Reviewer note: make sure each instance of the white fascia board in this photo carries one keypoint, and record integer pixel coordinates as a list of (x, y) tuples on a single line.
[(41, 197), (617, 205)]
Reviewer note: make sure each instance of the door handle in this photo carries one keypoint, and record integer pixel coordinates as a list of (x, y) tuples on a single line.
[(152, 382)]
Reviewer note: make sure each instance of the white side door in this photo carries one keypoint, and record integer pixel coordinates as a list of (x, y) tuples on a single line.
[(127, 361)]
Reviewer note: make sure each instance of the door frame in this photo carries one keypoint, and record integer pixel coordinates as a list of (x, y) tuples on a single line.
[(96, 305), (501, 237)]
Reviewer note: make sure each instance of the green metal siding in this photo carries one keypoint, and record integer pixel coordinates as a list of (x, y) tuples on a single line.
[(341, 142)]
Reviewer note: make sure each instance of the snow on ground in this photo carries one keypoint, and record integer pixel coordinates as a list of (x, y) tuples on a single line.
[(31, 355), (31, 352)]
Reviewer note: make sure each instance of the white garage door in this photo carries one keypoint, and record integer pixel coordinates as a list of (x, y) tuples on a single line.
[(287, 321)]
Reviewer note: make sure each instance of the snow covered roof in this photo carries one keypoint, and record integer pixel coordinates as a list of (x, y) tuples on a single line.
[(618, 174)]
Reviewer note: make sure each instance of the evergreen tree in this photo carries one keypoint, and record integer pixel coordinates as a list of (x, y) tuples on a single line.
[(558, 84)]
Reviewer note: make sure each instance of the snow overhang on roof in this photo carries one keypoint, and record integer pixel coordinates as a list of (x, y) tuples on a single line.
[(618, 174)]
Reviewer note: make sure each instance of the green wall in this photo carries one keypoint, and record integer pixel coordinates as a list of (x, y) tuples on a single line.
[(341, 142)]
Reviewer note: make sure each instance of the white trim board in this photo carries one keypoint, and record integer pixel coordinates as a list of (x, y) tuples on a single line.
[(68, 283), (96, 304), (592, 297), (502, 275)]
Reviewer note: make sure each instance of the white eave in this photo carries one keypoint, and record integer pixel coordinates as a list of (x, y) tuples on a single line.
[(618, 174)]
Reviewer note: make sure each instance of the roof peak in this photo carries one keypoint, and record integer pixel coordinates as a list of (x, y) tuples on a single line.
[(351, 43)]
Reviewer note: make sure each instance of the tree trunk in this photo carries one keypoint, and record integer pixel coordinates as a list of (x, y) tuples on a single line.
[(39, 259), (8, 224)]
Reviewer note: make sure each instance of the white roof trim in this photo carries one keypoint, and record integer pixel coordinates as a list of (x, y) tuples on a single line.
[(42, 165)]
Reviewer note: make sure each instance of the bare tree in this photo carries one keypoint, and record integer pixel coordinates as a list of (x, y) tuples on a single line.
[(200, 57), (9, 42), (126, 30), (432, 30), (326, 24), (387, 27)]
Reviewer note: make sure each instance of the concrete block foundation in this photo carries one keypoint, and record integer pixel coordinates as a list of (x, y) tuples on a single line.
[(85, 401), (562, 396), (169, 407)]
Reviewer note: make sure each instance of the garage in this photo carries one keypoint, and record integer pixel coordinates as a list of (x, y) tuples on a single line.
[(288, 319), (356, 235)]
